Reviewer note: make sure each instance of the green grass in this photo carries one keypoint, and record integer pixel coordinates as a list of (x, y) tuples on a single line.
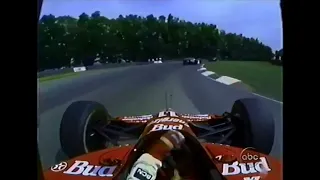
[(59, 76), (262, 77)]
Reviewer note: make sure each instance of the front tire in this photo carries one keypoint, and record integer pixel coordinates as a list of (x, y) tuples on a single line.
[(77, 135), (255, 125)]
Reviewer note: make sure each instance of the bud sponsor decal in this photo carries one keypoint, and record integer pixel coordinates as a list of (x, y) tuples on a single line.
[(83, 168), (236, 168), (161, 127), (169, 119), (249, 162)]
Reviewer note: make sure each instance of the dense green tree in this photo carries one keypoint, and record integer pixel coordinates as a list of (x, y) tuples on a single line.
[(65, 41)]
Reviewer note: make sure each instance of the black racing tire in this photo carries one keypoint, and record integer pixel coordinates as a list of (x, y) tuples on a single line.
[(76, 133), (255, 125)]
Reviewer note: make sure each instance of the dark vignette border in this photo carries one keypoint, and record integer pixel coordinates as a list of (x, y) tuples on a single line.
[(19, 86), (300, 92), (40, 175), (18, 80)]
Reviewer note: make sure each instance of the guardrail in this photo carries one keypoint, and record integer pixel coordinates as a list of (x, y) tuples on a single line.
[(79, 69), (97, 66)]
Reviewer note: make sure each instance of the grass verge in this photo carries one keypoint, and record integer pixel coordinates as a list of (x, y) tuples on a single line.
[(263, 77), (58, 76)]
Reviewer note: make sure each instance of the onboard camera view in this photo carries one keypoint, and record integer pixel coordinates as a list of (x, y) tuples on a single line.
[(152, 90)]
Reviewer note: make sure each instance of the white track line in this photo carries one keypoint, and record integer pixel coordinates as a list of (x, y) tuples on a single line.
[(267, 98)]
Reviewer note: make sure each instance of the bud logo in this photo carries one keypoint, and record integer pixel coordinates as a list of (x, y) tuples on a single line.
[(83, 168), (141, 174), (160, 127), (168, 119), (235, 168)]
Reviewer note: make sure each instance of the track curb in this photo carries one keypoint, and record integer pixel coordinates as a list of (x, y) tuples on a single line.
[(230, 81)]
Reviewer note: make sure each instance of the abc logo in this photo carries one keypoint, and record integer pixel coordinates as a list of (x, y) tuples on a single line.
[(249, 157), (248, 154)]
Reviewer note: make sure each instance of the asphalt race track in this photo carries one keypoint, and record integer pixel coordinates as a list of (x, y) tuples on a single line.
[(138, 90)]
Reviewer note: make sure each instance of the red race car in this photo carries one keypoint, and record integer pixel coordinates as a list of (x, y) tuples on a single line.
[(231, 146)]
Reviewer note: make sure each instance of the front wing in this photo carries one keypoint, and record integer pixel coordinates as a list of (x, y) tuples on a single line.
[(122, 132)]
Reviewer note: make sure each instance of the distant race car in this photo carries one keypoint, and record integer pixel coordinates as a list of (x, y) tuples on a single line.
[(158, 61), (191, 61), (229, 146)]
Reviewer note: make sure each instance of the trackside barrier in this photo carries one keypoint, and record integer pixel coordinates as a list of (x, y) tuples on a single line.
[(79, 69), (88, 68)]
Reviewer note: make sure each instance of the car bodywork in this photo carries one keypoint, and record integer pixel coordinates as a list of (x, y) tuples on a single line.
[(115, 162)]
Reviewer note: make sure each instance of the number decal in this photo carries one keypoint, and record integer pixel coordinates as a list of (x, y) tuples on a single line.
[(164, 113), (172, 114), (219, 157)]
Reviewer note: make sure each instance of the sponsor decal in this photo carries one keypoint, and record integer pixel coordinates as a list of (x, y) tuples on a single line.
[(235, 168), (201, 115), (197, 116), (142, 175), (83, 168), (59, 167), (135, 118), (161, 127), (169, 119), (252, 178)]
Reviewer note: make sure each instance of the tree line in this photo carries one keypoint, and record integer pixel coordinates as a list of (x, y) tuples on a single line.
[(65, 41)]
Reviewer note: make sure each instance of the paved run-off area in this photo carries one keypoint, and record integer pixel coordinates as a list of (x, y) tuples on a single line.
[(138, 90)]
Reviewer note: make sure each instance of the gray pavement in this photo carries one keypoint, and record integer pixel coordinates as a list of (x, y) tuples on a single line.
[(138, 90)]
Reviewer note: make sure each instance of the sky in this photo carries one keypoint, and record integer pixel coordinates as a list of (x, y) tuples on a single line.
[(253, 18)]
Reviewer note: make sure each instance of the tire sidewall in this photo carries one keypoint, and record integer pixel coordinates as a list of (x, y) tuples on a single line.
[(75, 123), (255, 125)]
